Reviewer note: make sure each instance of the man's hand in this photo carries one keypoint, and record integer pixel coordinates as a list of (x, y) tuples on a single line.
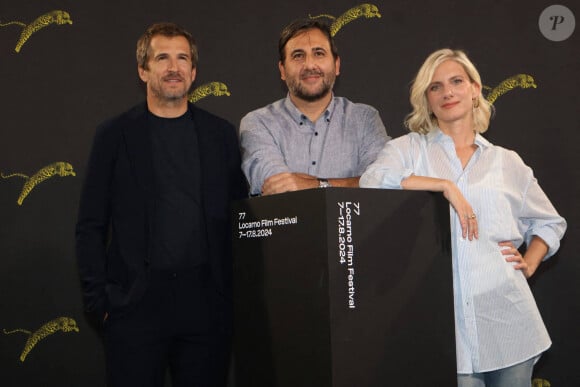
[(286, 182)]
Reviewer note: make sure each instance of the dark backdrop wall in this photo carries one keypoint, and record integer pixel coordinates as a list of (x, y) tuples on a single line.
[(66, 78)]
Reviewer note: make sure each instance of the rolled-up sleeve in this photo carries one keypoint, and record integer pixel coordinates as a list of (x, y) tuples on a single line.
[(392, 165), (539, 217)]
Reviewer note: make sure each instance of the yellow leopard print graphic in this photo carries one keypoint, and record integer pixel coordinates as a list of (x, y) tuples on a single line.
[(537, 382), (60, 168), (213, 88), (524, 81), (363, 10), (53, 17), (64, 324)]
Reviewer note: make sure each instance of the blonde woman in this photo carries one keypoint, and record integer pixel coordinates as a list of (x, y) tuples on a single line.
[(496, 205)]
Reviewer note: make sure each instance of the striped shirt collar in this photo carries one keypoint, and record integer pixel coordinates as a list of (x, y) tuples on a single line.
[(436, 135)]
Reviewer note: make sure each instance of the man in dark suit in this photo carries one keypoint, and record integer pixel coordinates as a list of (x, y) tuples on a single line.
[(153, 233)]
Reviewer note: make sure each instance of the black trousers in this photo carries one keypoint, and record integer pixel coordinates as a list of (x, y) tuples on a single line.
[(175, 326)]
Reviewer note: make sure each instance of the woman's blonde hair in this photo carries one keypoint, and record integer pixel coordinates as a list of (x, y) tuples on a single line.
[(421, 119)]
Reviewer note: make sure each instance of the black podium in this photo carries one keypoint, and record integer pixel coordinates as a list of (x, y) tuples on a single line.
[(344, 288)]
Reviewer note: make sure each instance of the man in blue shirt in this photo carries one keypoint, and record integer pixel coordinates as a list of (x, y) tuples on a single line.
[(311, 138)]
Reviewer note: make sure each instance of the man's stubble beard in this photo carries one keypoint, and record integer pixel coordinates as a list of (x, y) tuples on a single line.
[(299, 91)]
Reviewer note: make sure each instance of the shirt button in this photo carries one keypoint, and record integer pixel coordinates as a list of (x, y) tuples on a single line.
[(314, 163), (316, 133)]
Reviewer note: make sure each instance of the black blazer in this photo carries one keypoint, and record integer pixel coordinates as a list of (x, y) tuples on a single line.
[(113, 232)]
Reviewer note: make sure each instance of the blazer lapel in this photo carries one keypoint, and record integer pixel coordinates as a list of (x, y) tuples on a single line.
[(139, 148)]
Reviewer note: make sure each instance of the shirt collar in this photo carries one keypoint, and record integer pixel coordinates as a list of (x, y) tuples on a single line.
[(436, 135), (481, 141), (299, 117)]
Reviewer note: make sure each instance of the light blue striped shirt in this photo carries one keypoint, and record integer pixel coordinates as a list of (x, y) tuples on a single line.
[(497, 322), (278, 138)]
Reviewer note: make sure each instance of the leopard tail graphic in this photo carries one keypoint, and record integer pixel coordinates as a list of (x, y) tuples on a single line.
[(324, 15), (14, 175), (11, 23)]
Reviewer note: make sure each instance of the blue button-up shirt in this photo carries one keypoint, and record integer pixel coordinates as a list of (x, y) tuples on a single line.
[(278, 138), (497, 322)]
